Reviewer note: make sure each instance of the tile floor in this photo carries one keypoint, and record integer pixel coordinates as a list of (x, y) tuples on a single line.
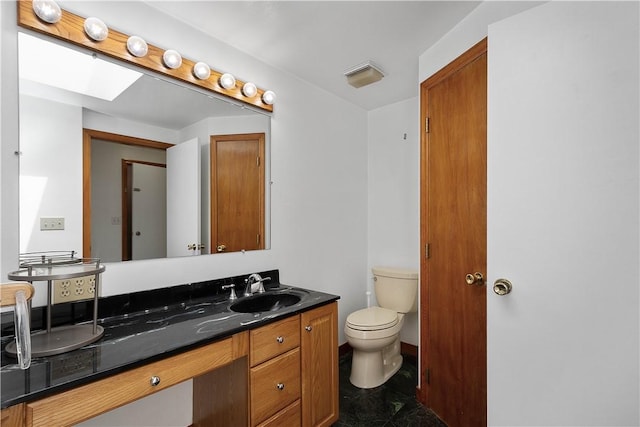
[(393, 404)]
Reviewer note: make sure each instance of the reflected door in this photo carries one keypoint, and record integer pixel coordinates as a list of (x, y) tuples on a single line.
[(183, 199), (148, 211), (237, 192)]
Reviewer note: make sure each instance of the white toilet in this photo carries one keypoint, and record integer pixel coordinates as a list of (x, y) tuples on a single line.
[(374, 332)]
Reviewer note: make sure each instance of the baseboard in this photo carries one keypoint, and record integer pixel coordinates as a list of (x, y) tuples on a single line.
[(405, 348), (409, 349)]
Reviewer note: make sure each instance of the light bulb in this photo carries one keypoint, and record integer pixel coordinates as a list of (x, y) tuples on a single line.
[(227, 81), (249, 90), (269, 97), (96, 29), (201, 71), (172, 59), (47, 10), (137, 46)]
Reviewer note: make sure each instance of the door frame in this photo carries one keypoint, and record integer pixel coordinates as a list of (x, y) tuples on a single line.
[(88, 135), (480, 48)]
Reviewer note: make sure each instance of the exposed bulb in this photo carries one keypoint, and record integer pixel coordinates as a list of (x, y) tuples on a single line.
[(47, 10), (249, 90), (201, 71), (137, 46), (96, 29), (269, 97), (227, 81), (172, 59)]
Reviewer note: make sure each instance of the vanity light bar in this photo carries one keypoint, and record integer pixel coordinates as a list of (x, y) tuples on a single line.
[(71, 28)]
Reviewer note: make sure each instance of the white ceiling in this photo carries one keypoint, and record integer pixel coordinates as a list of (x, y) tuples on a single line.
[(319, 40)]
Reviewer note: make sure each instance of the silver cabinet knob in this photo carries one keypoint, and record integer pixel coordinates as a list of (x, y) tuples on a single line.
[(502, 287), (280, 386), (155, 381), (280, 339), (308, 328)]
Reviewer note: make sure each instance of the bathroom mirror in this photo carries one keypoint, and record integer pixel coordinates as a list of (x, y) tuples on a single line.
[(57, 120)]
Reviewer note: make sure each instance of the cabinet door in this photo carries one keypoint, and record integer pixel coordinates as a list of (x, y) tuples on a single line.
[(13, 416), (319, 352)]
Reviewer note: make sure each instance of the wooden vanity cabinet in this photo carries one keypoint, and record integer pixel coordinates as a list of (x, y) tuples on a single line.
[(13, 416), (294, 370), (274, 377), (319, 354), (87, 401), (284, 374)]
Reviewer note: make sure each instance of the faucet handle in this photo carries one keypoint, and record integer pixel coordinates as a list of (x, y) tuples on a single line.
[(232, 295), (262, 280)]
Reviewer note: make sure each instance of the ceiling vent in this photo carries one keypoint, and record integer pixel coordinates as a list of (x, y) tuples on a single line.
[(363, 74)]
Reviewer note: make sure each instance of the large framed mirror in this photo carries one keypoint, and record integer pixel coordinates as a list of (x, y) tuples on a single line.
[(90, 161)]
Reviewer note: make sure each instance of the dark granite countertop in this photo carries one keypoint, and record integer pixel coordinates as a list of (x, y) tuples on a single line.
[(140, 328)]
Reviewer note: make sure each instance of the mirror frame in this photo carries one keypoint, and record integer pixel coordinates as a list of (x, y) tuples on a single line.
[(70, 28)]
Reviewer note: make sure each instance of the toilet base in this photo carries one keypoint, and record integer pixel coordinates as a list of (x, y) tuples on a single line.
[(371, 369)]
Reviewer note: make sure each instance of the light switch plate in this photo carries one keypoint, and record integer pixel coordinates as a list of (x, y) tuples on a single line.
[(47, 224)]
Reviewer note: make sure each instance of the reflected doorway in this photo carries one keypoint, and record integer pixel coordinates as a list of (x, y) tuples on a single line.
[(144, 210), (102, 219)]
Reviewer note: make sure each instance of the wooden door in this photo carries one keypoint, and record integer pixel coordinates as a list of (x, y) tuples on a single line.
[(453, 232), (237, 192)]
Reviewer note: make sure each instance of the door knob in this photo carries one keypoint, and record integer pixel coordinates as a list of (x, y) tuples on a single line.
[(475, 279), (221, 248), (502, 287)]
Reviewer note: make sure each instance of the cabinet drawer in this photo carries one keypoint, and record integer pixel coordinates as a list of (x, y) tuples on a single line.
[(275, 384), (288, 417), (101, 396), (274, 339)]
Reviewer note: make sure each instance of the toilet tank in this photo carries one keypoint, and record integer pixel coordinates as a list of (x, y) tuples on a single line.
[(396, 288)]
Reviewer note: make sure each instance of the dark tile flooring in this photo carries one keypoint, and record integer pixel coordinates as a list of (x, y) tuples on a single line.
[(392, 404)]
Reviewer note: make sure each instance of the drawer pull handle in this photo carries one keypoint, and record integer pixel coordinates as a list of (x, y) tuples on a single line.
[(280, 339), (280, 386), (155, 381), (308, 328)]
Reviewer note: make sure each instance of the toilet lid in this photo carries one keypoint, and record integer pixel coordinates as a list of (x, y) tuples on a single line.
[(372, 319)]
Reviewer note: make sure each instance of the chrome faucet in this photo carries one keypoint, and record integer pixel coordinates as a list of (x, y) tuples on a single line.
[(254, 283)]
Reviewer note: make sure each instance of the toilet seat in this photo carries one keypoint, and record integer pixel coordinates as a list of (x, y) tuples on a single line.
[(372, 319)]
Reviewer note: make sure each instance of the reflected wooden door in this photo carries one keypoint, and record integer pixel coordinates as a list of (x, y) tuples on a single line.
[(453, 227), (237, 192)]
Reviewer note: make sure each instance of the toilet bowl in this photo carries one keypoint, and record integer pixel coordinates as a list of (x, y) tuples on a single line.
[(374, 335), (374, 332)]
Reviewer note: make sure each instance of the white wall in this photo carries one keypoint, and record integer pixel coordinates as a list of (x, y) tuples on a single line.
[(50, 174), (394, 195), (468, 32), (319, 174)]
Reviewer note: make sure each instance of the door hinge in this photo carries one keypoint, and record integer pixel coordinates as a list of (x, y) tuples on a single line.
[(426, 125), (427, 251), (258, 240), (258, 161)]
